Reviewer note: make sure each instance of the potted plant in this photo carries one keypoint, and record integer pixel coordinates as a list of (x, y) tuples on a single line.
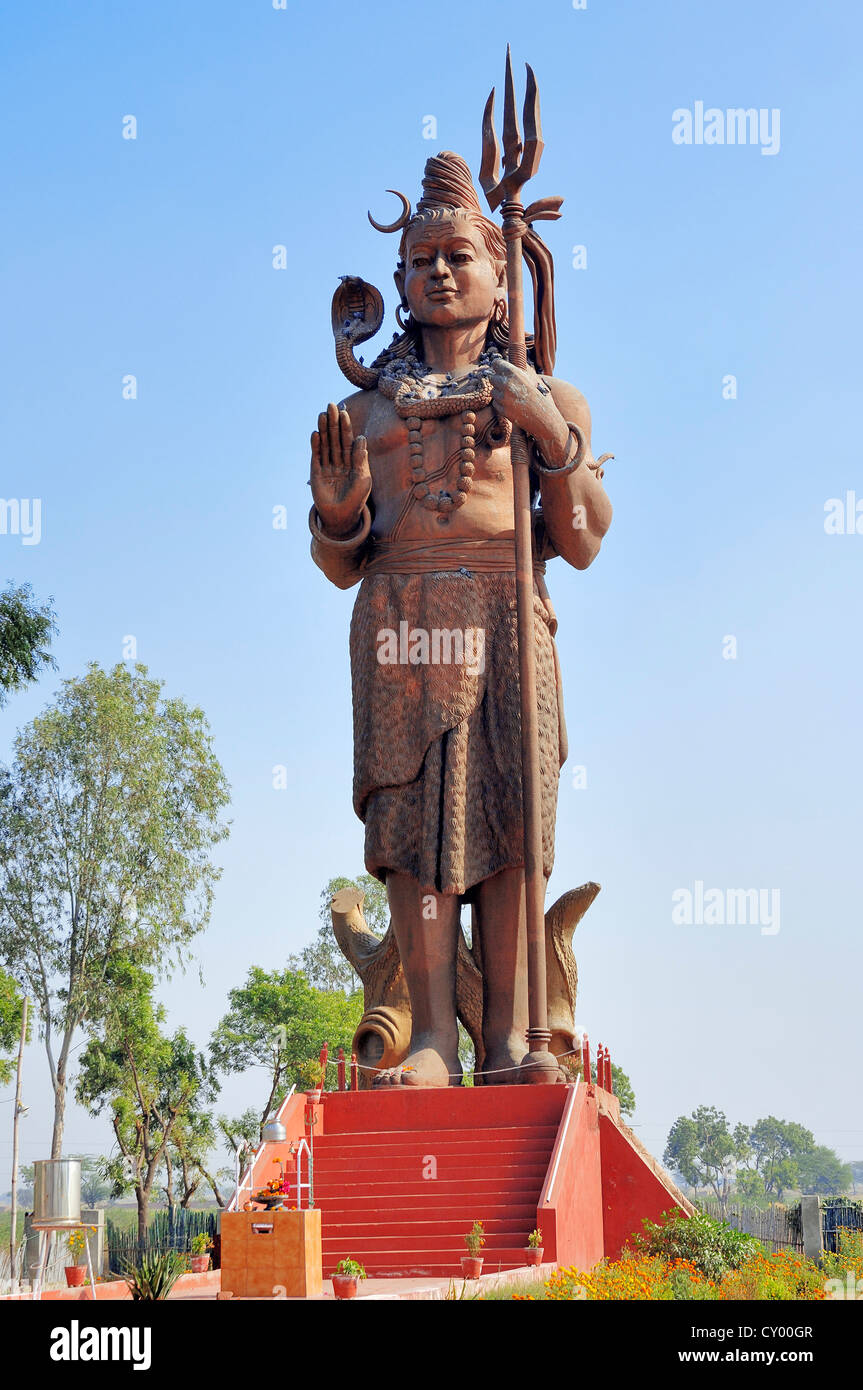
[(471, 1263), (534, 1247), (347, 1272), (75, 1243), (200, 1257)]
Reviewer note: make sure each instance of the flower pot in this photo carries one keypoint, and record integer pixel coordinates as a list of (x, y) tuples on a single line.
[(471, 1266), (345, 1285), (200, 1263), (534, 1254), (75, 1276), (314, 1097)]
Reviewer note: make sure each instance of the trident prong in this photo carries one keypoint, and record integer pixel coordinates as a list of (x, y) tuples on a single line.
[(520, 161)]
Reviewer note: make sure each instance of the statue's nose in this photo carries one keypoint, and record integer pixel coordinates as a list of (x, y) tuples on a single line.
[(439, 269)]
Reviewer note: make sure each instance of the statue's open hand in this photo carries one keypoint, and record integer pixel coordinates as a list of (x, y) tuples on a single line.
[(341, 479)]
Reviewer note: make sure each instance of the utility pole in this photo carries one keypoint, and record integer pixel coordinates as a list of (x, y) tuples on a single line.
[(13, 1228)]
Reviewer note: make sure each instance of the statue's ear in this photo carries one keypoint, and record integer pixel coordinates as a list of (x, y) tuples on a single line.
[(399, 277)]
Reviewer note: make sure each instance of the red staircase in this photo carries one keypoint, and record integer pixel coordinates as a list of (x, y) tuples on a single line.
[(400, 1179)]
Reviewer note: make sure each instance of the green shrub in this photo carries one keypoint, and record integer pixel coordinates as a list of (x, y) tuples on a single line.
[(712, 1246)]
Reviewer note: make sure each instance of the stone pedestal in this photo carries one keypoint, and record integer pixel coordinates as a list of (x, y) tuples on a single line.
[(274, 1254)]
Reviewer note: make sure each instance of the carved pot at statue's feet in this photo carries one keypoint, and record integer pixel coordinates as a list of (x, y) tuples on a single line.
[(534, 1254), (471, 1266), (345, 1285)]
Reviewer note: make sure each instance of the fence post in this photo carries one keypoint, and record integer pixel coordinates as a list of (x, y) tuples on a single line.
[(340, 1069), (355, 1074), (585, 1064), (810, 1221)]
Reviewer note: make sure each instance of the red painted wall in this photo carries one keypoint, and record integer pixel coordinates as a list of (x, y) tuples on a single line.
[(630, 1188)]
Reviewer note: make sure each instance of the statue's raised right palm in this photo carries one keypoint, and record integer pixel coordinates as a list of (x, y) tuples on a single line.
[(341, 478)]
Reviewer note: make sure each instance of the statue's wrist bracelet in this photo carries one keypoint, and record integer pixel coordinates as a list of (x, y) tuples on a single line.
[(341, 542), (574, 456)]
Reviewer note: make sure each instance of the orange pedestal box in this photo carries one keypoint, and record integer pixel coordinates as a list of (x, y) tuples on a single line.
[(274, 1254)]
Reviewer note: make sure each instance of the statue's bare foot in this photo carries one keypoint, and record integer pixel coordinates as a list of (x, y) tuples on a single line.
[(503, 1060), (428, 1066)]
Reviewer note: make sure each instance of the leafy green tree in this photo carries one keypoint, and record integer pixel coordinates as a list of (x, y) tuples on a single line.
[(108, 818), (151, 1084), (702, 1148), (25, 635), (321, 961), (621, 1087), (279, 1022), (856, 1172), (777, 1147), (11, 1003), (821, 1170), (749, 1187)]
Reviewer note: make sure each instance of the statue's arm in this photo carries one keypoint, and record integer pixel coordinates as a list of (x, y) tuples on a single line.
[(340, 520), (575, 506)]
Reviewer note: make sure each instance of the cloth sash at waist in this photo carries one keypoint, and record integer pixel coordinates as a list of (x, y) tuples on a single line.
[(484, 556)]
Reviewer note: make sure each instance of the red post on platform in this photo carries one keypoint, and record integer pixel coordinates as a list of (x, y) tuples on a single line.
[(340, 1069), (325, 1052), (585, 1060), (355, 1073), (610, 1082), (600, 1066)]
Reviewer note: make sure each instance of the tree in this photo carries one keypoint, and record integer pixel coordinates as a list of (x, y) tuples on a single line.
[(25, 634), (856, 1172), (278, 1021), (777, 1146), (11, 1004), (107, 821), (702, 1148), (151, 1083), (822, 1171), (322, 962), (622, 1088)]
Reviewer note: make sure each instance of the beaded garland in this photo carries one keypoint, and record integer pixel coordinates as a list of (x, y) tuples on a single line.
[(419, 394)]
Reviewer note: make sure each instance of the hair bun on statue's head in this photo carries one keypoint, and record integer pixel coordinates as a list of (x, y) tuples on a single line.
[(447, 183)]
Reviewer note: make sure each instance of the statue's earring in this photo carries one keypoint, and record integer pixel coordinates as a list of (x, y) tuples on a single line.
[(499, 310), (404, 326)]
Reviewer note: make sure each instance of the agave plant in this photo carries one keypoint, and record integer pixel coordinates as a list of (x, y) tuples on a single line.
[(153, 1276)]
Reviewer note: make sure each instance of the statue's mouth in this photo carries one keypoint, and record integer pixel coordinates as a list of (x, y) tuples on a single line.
[(442, 294)]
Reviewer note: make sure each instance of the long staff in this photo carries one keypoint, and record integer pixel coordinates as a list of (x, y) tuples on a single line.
[(520, 164)]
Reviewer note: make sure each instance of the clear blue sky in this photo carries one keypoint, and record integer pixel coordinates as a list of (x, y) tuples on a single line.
[(153, 257)]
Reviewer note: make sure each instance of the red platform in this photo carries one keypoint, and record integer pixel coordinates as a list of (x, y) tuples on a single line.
[(401, 1175)]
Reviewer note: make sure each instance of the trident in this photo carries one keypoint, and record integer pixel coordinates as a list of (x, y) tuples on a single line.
[(520, 165)]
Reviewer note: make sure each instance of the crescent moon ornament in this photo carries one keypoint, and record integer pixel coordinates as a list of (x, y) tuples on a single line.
[(400, 221)]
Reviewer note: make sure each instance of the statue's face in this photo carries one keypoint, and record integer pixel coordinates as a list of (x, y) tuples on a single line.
[(449, 277)]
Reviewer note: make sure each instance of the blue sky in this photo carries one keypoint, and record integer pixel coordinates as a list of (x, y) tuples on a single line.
[(259, 127)]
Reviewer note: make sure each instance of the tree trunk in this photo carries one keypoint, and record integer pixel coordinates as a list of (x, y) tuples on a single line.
[(142, 1197), (59, 1112)]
